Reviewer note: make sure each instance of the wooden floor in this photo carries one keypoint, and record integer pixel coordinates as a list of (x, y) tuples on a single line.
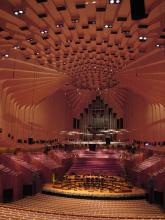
[(102, 194)]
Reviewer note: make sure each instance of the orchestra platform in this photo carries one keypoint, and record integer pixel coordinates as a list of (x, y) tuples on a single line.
[(52, 189)]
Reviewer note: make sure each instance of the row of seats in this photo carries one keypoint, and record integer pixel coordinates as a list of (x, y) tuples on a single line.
[(106, 166), (151, 161), (119, 209)]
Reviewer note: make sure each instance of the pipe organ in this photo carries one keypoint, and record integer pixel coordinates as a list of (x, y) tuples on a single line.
[(97, 116)]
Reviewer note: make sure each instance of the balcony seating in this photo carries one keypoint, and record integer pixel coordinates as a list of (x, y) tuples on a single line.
[(10, 179), (140, 171), (27, 170)]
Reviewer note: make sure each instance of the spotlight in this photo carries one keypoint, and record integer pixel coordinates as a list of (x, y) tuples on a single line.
[(18, 12), (114, 1), (142, 38), (75, 20), (21, 12), (44, 31), (108, 25), (5, 55), (16, 47), (59, 25), (31, 41), (68, 41), (159, 45), (37, 53)]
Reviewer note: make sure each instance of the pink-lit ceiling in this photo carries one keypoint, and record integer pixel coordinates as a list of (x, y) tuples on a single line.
[(87, 50)]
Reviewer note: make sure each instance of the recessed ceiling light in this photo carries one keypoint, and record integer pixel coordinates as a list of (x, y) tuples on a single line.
[(44, 31), (114, 1), (60, 25), (142, 38), (5, 55), (75, 20), (68, 41), (18, 12), (108, 25), (36, 53), (16, 47), (93, 2), (160, 45)]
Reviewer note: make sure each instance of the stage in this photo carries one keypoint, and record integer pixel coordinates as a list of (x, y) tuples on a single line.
[(54, 189)]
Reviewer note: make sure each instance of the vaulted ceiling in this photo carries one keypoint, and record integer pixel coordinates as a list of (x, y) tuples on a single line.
[(84, 48)]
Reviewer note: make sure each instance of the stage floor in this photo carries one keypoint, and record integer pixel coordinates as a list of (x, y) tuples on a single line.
[(93, 194)]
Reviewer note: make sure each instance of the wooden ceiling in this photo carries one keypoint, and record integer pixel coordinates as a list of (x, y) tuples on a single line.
[(93, 47)]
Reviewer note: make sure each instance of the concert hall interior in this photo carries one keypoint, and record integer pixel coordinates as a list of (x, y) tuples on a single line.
[(82, 109)]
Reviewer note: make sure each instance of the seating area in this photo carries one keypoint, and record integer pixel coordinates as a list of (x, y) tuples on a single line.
[(153, 165), (149, 163), (46, 207), (105, 166), (20, 171), (82, 109)]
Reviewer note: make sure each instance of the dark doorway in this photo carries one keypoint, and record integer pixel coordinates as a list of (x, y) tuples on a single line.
[(7, 195), (27, 190)]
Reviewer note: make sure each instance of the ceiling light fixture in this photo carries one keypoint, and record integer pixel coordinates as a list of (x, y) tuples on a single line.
[(75, 20), (5, 55), (114, 1), (158, 45), (142, 38), (18, 12), (16, 47), (60, 25), (108, 25), (44, 31)]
